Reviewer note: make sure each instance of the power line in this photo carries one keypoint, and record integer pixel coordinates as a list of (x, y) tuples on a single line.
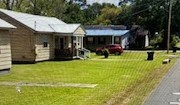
[(143, 10), (148, 3), (138, 12)]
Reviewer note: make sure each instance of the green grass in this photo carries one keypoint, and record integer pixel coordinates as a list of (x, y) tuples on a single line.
[(120, 77)]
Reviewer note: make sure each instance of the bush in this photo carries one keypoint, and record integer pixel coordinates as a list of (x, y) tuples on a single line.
[(106, 53), (149, 48), (175, 40), (156, 41)]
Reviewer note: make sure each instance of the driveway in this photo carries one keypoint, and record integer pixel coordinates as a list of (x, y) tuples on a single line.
[(168, 91)]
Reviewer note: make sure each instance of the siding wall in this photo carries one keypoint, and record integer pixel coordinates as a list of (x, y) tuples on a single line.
[(22, 45), (125, 41), (5, 50), (146, 41), (44, 53), (79, 31)]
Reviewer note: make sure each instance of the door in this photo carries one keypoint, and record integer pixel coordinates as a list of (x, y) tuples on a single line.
[(61, 43)]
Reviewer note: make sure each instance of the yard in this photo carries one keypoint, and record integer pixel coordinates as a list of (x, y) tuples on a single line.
[(125, 80)]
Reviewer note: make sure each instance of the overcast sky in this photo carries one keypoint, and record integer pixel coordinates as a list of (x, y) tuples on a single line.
[(115, 2)]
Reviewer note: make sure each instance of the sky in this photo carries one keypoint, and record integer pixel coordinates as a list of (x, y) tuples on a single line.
[(90, 2), (115, 2)]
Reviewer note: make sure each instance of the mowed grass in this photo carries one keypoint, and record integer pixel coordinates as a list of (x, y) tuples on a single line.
[(125, 79)]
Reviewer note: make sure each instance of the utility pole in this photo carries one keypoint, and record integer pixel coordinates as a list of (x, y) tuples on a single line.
[(169, 26)]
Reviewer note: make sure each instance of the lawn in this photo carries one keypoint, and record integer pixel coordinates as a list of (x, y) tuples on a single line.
[(125, 79)]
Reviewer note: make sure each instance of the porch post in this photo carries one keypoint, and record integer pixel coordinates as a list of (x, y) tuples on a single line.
[(112, 39), (77, 46), (82, 42), (72, 45)]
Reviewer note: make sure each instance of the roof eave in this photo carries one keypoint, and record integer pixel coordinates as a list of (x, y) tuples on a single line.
[(7, 28)]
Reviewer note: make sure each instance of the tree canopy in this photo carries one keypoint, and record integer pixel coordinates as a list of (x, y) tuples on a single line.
[(150, 14)]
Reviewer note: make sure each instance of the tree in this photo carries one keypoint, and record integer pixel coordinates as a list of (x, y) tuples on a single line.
[(74, 14), (176, 18), (8, 4), (37, 7), (108, 15), (151, 15), (92, 12), (19, 5), (55, 8), (125, 15)]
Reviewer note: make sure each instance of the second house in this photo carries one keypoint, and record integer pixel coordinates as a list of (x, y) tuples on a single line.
[(39, 38)]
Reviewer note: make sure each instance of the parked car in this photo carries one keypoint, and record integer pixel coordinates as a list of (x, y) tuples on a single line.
[(113, 49)]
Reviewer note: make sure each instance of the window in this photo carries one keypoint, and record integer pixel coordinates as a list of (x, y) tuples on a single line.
[(90, 40), (45, 40), (101, 40), (45, 44), (117, 40)]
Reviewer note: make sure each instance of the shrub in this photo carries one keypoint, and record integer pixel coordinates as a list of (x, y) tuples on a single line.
[(175, 40), (156, 41), (106, 53)]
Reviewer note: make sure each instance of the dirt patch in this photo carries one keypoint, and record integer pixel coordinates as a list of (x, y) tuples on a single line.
[(78, 85), (125, 60)]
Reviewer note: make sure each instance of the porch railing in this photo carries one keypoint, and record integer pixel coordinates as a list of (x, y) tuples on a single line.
[(63, 53), (84, 53)]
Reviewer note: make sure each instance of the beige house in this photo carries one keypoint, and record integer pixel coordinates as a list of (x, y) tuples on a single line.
[(5, 48), (40, 38)]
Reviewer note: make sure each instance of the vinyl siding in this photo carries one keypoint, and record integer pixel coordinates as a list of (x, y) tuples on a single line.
[(44, 53), (5, 50)]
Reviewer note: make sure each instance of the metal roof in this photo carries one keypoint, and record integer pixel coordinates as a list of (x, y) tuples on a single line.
[(106, 32), (5, 25), (105, 27), (65, 28), (35, 22)]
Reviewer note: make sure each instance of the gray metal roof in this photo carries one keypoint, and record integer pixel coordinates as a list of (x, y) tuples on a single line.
[(65, 28), (42, 23), (97, 32), (5, 25)]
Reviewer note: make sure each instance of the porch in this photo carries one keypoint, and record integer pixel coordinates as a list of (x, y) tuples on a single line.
[(69, 41), (93, 42), (63, 53), (70, 47)]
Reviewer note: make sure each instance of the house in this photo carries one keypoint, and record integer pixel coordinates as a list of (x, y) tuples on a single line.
[(5, 48), (40, 38), (97, 36), (140, 37)]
